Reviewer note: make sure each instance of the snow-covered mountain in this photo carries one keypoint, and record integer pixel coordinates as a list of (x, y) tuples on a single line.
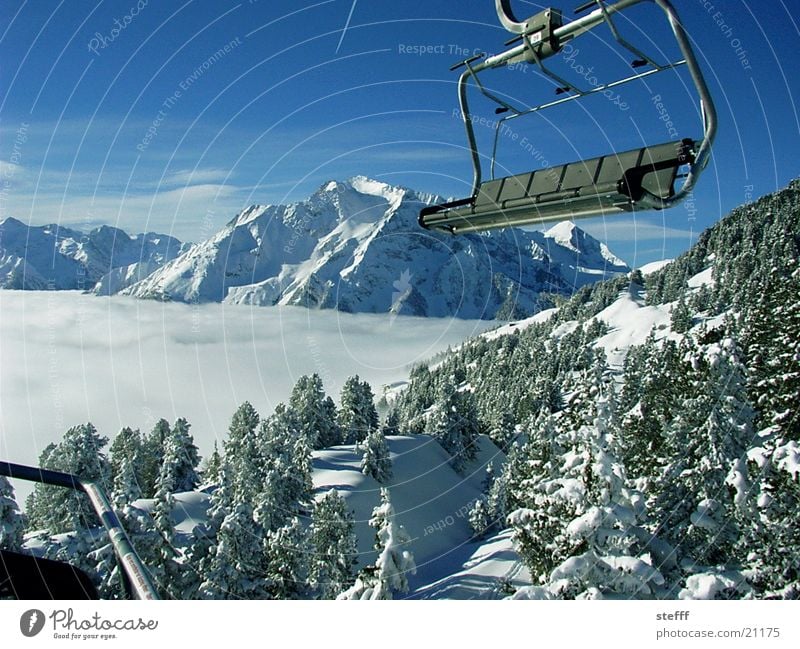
[(59, 258), (356, 246)]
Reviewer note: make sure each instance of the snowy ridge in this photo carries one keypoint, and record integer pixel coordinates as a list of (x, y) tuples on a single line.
[(356, 246), (59, 258)]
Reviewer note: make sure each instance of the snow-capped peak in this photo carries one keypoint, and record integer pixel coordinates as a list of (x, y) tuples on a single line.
[(371, 187), (568, 235), (248, 215)]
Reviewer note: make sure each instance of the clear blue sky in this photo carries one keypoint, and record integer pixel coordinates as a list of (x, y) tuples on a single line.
[(144, 127)]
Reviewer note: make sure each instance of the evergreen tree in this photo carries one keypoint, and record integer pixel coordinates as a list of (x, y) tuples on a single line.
[(287, 470), (708, 440), (80, 453), (580, 535), (394, 562), (178, 474), (180, 461), (480, 518), (455, 425), (236, 567), (212, 467), (660, 385), (202, 552), (38, 505), (771, 536), (391, 425), (357, 414), (127, 445), (334, 546), (681, 317), (165, 558), (108, 575), (376, 461), (316, 417), (772, 335), (503, 430), (126, 483), (287, 561), (415, 401), (334, 436), (153, 447), (243, 452), (11, 520)]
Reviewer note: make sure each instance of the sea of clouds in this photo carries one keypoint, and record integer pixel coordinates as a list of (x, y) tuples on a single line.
[(68, 358)]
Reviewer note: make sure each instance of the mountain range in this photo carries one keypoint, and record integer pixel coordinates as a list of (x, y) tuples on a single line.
[(353, 246), (53, 257)]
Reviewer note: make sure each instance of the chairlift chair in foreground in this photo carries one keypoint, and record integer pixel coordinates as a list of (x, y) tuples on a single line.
[(640, 179), (23, 576)]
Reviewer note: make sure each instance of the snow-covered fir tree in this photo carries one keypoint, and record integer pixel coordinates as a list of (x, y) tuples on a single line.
[(211, 466), (236, 567), (153, 446), (127, 445), (333, 543), (391, 424), (178, 471), (288, 554), (708, 440), (503, 430), (201, 555), (38, 504), (395, 561), (357, 414), (165, 558), (287, 469), (126, 486), (580, 536), (375, 460), (12, 523), (656, 382), (316, 412), (79, 453), (243, 453), (480, 517), (454, 423)]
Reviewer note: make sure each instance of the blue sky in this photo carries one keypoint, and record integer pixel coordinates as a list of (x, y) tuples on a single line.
[(122, 113)]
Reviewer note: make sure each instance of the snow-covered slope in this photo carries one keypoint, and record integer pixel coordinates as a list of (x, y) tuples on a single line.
[(430, 500), (59, 258), (356, 246), (629, 318), (654, 266)]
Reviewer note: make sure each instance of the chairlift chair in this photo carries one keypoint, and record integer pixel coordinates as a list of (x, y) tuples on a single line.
[(640, 179)]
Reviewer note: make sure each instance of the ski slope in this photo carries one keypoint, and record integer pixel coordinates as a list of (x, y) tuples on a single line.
[(431, 501)]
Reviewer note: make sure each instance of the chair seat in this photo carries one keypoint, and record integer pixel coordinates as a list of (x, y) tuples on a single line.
[(604, 185), (23, 576)]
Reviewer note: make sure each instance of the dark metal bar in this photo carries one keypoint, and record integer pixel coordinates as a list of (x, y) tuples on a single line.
[(141, 582)]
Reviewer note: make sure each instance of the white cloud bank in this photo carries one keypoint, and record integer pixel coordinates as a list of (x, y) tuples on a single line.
[(68, 358)]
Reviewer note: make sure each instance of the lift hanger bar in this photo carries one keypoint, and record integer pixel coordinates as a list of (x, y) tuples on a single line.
[(138, 576), (642, 178)]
